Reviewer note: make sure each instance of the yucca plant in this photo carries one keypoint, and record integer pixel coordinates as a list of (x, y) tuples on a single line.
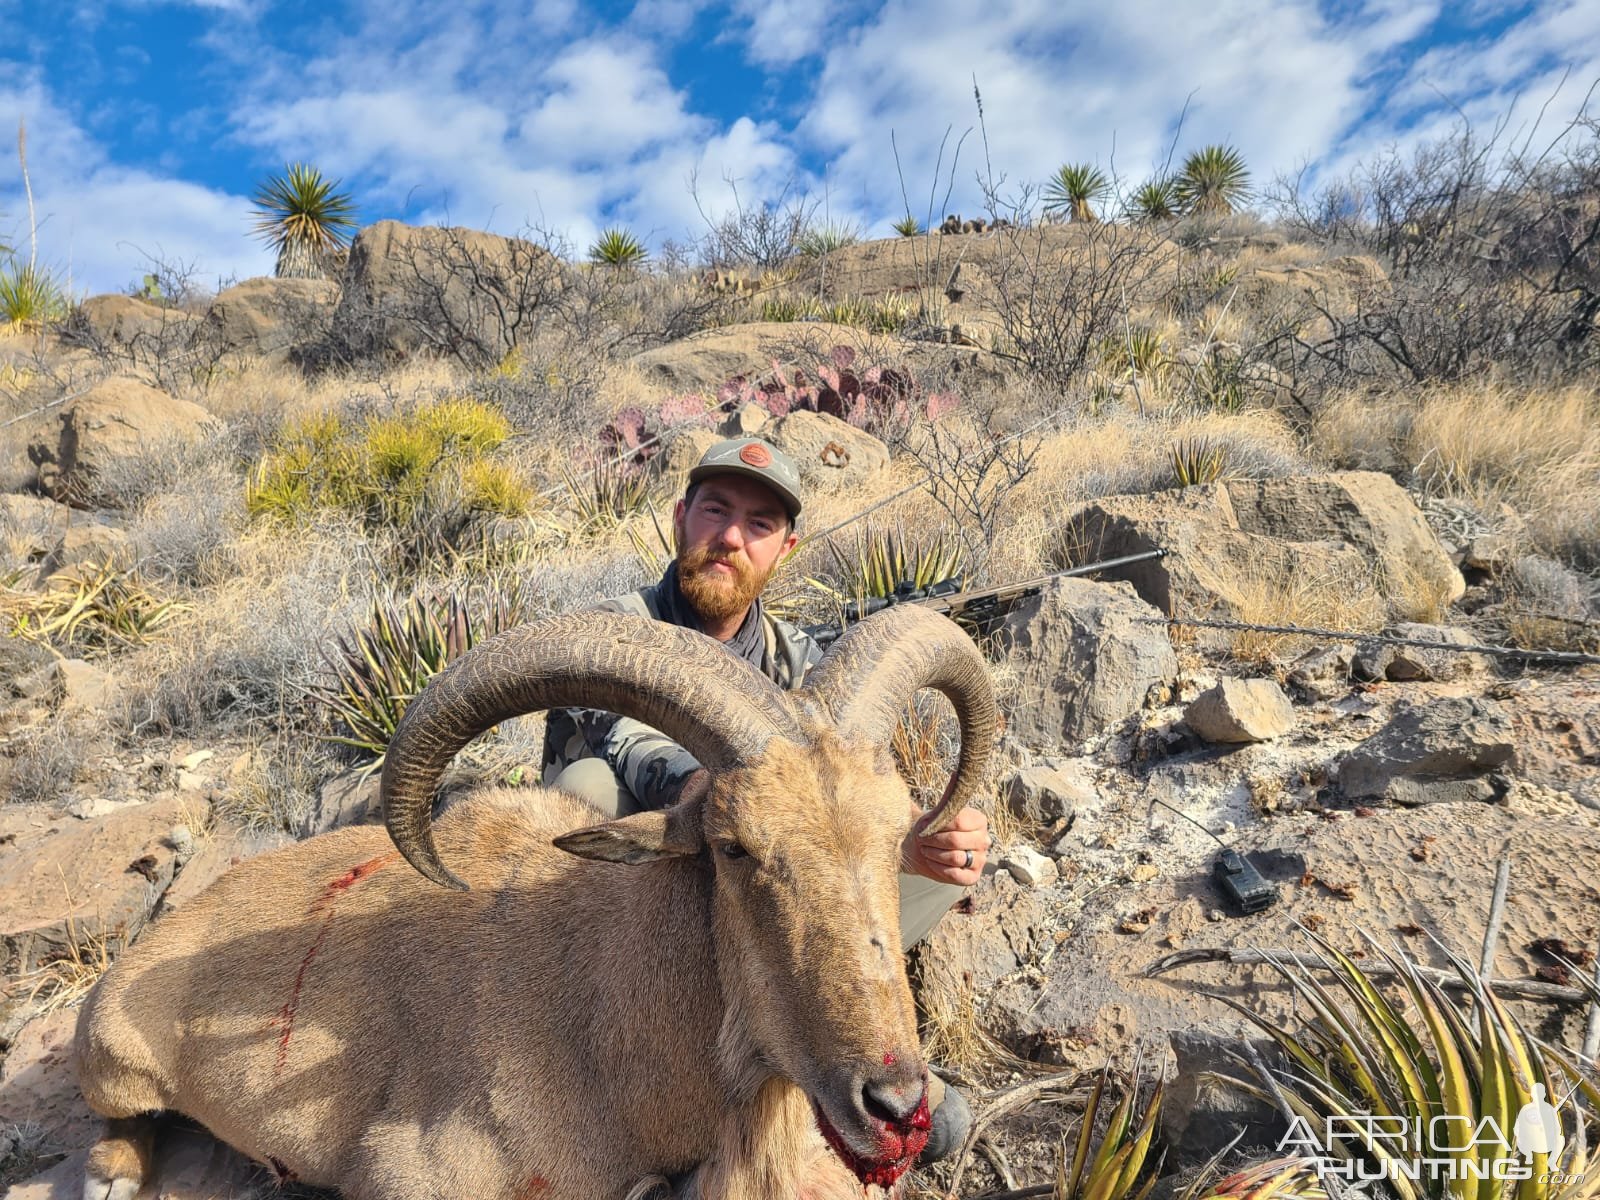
[(492, 487), (1074, 189), (617, 247), (786, 307), (1424, 1064), (608, 495), (303, 217), (1198, 460), (95, 605), (30, 298), (884, 560), (467, 425), (1291, 1178), (1112, 1171), (1213, 181), (1156, 200), (819, 240), (907, 226), (376, 670)]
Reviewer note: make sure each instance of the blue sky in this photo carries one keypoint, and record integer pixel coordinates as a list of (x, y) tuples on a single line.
[(151, 121)]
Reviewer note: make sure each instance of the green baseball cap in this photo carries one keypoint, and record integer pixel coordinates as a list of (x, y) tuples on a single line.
[(755, 459)]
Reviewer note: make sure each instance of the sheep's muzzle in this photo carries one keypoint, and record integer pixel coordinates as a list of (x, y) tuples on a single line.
[(898, 1143)]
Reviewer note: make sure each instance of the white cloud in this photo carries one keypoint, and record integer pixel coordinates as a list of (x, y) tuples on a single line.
[(99, 221), (782, 32)]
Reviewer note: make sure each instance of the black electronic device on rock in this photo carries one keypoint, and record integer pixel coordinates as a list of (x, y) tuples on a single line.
[(1241, 882), (1235, 874)]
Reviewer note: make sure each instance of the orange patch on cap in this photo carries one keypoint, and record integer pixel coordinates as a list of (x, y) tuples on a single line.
[(756, 455)]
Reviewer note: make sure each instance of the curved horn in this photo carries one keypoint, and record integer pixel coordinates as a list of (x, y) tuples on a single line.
[(877, 665), (681, 682)]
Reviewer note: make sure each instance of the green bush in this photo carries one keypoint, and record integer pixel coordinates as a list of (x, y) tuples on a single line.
[(388, 470)]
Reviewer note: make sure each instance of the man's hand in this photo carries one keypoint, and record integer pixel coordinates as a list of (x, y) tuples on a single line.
[(953, 856)]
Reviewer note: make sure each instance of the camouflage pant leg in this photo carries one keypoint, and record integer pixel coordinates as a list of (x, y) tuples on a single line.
[(593, 781), (922, 902)]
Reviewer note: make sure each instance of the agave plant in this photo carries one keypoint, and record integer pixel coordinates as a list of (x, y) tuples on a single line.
[(819, 240), (1291, 1178), (1112, 1172), (1213, 181), (907, 226), (30, 298), (1156, 200), (884, 560), (617, 247), (1074, 189), (305, 219), (377, 670), (1431, 1070), (1198, 460)]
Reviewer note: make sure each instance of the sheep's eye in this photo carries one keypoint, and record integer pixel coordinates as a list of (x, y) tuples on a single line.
[(733, 850)]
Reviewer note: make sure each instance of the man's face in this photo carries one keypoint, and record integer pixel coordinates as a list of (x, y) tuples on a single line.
[(730, 539)]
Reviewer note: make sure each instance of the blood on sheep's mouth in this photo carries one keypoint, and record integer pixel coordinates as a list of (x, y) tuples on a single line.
[(898, 1145)]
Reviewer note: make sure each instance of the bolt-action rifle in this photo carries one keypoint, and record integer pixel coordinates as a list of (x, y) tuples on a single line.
[(978, 608)]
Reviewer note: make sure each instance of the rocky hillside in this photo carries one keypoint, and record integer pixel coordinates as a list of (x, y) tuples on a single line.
[(206, 509)]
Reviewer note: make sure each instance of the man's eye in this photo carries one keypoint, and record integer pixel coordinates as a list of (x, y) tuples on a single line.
[(733, 850)]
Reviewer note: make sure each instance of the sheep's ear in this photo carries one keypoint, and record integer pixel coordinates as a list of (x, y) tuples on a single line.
[(644, 837)]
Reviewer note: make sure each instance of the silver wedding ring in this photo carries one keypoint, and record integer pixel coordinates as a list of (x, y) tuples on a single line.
[(967, 866)]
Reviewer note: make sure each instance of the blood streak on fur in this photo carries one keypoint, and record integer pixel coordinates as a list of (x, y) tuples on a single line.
[(323, 905), (889, 1059), (536, 1187)]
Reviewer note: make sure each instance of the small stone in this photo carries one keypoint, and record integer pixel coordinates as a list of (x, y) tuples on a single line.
[(190, 762), (1421, 664), (1044, 794), (88, 808), (1216, 914), (85, 687), (1144, 873), (1241, 710), (1323, 673), (189, 781), (1028, 867)]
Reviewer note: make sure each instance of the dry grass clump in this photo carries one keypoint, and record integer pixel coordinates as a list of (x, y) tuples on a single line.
[(1278, 591), (183, 534), (65, 980), (1489, 444), (44, 762), (253, 644), (276, 788)]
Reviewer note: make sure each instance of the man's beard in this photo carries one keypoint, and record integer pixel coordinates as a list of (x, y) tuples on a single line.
[(715, 596)]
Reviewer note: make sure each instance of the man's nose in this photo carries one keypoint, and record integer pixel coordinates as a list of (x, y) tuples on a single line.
[(732, 535)]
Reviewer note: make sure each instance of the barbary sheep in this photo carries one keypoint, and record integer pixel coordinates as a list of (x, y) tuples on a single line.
[(542, 1009)]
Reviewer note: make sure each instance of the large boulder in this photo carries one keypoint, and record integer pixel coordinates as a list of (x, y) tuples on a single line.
[(1212, 566), (1441, 750), (832, 455), (1364, 509), (129, 324), (705, 361), (1229, 546), (50, 535), (442, 291), (999, 926), (111, 427), (1082, 657), (266, 317)]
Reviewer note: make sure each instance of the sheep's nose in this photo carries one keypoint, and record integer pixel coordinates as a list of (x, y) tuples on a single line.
[(894, 1096)]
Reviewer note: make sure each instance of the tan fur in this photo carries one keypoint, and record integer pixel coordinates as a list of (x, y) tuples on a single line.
[(567, 1028)]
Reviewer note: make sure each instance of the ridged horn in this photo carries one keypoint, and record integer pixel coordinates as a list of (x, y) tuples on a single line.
[(877, 665), (721, 709)]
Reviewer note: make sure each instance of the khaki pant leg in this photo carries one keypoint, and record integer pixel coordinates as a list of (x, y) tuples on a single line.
[(593, 781), (922, 902)]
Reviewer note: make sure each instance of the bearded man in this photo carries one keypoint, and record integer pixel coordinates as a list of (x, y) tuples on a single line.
[(733, 526)]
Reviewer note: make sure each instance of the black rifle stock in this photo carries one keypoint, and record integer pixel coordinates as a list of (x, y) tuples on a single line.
[(977, 607)]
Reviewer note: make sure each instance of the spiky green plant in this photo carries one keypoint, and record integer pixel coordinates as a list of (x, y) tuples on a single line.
[(305, 219), (30, 298), (617, 247), (883, 559), (1112, 1171), (97, 606), (1074, 189), (1198, 460), (376, 670), (1214, 181), (907, 226), (493, 487), (1290, 1178), (819, 240), (608, 495), (1155, 200), (1430, 1063), (788, 307)]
